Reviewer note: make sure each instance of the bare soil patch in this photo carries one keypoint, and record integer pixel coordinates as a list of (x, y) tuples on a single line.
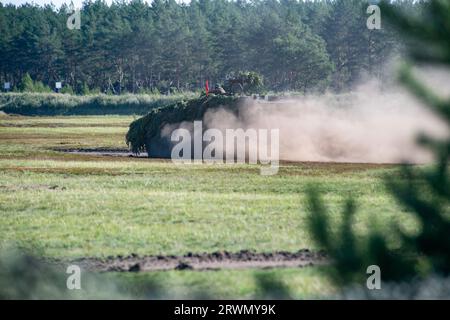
[(205, 261), (104, 152)]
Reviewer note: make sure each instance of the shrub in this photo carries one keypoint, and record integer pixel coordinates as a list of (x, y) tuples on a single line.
[(25, 276), (67, 89), (85, 89), (29, 103), (28, 85)]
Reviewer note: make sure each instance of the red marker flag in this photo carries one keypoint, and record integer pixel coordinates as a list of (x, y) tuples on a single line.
[(206, 87)]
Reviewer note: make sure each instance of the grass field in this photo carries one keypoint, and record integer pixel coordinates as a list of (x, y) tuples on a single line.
[(71, 205)]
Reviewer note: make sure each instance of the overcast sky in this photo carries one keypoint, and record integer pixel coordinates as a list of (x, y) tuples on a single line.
[(57, 3), (77, 3)]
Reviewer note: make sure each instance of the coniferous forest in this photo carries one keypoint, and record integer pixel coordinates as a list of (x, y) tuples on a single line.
[(138, 47)]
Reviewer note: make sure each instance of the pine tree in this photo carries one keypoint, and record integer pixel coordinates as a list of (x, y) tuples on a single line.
[(135, 46)]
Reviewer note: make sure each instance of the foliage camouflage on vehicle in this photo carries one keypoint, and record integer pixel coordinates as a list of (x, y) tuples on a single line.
[(149, 126)]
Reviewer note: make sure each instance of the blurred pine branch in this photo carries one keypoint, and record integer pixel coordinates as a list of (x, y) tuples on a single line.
[(425, 192)]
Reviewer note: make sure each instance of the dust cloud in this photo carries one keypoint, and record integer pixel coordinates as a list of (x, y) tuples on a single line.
[(368, 125)]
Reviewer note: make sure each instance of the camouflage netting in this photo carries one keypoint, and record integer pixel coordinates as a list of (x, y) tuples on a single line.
[(148, 128)]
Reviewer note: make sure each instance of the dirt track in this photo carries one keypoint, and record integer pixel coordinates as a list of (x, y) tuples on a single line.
[(104, 152), (204, 261), (124, 153)]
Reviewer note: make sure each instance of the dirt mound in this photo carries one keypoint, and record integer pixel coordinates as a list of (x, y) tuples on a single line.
[(205, 261)]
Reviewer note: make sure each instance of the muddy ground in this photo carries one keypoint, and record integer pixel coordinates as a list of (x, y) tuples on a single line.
[(204, 261), (104, 152), (120, 153)]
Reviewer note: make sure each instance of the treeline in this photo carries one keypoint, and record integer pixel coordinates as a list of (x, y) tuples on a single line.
[(138, 47)]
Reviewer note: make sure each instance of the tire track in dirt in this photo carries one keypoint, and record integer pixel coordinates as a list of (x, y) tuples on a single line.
[(205, 261)]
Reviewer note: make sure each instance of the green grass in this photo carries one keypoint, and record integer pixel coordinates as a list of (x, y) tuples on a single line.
[(303, 283), (67, 206), (100, 208), (43, 281)]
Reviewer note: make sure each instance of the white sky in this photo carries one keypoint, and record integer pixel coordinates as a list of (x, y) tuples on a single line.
[(57, 3), (77, 3)]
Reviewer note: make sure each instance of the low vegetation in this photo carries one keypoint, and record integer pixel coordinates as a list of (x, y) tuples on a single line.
[(49, 104)]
